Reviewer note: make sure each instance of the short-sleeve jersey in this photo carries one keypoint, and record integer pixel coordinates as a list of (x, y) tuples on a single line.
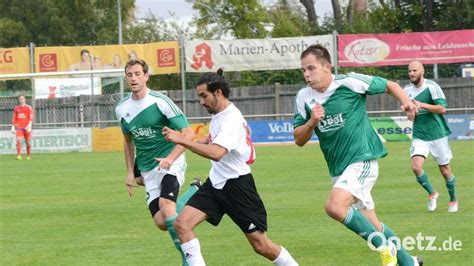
[(428, 126), (143, 120), (345, 133), (22, 116), (229, 130)]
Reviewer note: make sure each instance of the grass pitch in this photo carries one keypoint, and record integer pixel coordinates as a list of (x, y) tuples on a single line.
[(73, 209)]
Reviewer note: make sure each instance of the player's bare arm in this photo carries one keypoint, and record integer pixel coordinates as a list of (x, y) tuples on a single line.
[(129, 152), (432, 108), (213, 151), (302, 134), (407, 105), (166, 163)]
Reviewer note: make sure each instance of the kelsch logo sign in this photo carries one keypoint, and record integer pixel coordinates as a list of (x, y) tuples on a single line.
[(367, 51)]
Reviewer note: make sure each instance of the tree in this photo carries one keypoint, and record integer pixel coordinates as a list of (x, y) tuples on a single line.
[(287, 20), (241, 19), (60, 22), (311, 12)]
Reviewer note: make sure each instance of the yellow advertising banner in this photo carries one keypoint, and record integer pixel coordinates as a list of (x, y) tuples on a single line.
[(14, 60), (107, 139), (162, 57)]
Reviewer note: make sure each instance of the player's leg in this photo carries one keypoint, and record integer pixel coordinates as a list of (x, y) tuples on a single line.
[(418, 152), (19, 138), (168, 196), (351, 192), (202, 206), (442, 154), (403, 257), (243, 204), (28, 144)]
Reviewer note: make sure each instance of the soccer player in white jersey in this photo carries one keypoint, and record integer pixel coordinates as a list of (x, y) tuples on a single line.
[(230, 188), (334, 108), (430, 134), (162, 164)]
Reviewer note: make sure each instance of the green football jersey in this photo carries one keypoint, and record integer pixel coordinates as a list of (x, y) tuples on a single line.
[(428, 126), (345, 134), (143, 120)]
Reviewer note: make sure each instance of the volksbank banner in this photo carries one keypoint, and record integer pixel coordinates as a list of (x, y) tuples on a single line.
[(251, 54), (388, 128), (50, 140)]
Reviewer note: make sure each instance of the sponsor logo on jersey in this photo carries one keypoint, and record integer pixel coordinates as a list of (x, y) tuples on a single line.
[(143, 133), (331, 123)]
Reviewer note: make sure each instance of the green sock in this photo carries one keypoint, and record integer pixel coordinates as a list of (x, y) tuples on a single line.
[(423, 180), (359, 224), (185, 197), (451, 185), (174, 236), (403, 257)]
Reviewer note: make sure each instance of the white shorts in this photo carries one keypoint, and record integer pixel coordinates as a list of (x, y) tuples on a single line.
[(358, 179), (153, 178), (439, 149)]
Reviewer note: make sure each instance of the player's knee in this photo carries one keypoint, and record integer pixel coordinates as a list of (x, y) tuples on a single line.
[(181, 226), (261, 247), (417, 168), (159, 222), (334, 211)]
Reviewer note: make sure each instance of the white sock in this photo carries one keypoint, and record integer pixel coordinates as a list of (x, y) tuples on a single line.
[(192, 252), (285, 258)]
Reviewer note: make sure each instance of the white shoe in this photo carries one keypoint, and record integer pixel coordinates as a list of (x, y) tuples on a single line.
[(453, 206), (432, 199)]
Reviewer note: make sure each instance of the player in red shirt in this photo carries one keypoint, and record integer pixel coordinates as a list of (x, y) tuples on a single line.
[(21, 126)]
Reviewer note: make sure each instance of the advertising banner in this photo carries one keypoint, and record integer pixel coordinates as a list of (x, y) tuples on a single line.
[(250, 54), (46, 88), (50, 140), (14, 60), (162, 58), (273, 131), (398, 128), (401, 48), (107, 139)]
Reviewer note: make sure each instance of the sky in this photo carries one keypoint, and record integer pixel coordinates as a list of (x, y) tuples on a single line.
[(180, 9)]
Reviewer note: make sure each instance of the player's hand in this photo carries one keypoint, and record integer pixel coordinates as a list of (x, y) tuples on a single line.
[(418, 104), (13, 130), (28, 128), (171, 135), (129, 184), (317, 113), (164, 163), (410, 109)]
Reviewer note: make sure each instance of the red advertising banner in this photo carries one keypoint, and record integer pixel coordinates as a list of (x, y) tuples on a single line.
[(401, 48)]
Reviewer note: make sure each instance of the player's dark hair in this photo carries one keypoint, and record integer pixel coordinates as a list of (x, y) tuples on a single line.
[(137, 62), (319, 51), (215, 81), (83, 51)]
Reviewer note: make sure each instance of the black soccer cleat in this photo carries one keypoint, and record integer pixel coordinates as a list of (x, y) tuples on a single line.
[(196, 182), (419, 261)]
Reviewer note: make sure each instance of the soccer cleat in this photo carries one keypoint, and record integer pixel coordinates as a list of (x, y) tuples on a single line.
[(417, 261), (432, 199), (196, 182), (19, 158), (453, 206), (388, 255), (28, 158)]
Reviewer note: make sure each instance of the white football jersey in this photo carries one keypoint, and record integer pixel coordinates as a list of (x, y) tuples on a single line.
[(229, 130)]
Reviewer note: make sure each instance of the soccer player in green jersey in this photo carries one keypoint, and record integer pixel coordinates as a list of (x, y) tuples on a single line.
[(430, 134), (162, 164), (334, 108)]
